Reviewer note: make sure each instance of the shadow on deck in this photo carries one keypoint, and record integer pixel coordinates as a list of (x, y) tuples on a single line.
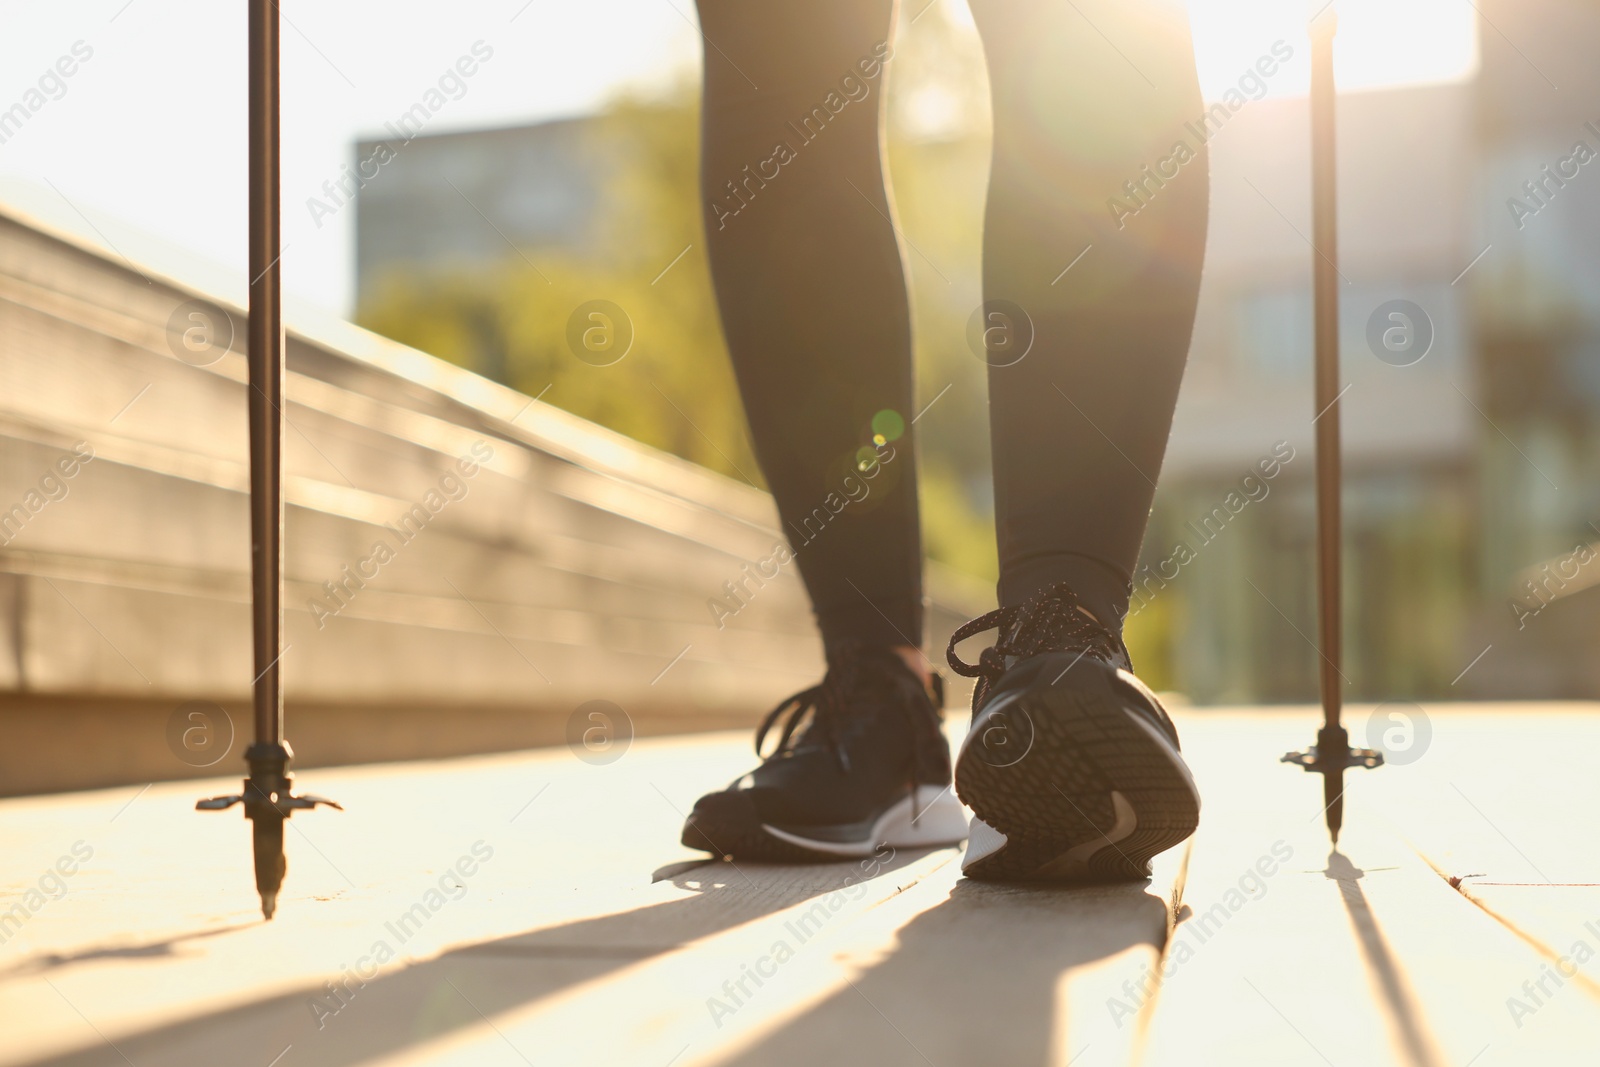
[(1251, 945)]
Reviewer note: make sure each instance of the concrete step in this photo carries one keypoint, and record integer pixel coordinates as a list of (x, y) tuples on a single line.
[(450, 543)]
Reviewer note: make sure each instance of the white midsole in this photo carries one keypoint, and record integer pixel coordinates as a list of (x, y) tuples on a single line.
[(984, 841), (1077, 857), (932, 816)]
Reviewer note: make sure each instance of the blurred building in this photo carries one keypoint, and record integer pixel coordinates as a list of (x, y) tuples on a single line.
[(446, 201), (1471, 497), (1535, 307), (1242, 610)]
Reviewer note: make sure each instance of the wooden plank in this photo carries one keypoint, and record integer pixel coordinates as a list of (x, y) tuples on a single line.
[(957, 971), (945, 971), (176, 969), (558, 948), (1517, 851), (558, 941), (1492, 792), (1361, 956)]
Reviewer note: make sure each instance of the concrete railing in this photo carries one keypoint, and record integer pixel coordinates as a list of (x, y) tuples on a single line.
[(464, 565)]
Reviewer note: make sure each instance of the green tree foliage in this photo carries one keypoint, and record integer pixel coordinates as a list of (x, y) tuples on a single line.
[(674, 388)]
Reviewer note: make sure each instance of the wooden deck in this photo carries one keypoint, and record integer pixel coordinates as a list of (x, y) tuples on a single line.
[(530, 908)]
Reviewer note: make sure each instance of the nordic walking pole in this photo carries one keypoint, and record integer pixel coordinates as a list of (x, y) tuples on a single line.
[(1332, 752), (267, 798)]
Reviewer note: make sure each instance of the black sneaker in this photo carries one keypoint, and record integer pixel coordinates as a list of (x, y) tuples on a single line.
[(1071, 767), (867, 767)]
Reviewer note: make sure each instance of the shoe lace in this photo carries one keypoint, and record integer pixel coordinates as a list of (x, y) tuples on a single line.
[(1049, 621), (821, 713)]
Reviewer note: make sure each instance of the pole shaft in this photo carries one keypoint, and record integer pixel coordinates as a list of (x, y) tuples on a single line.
[(265, 354), (1325, 239)]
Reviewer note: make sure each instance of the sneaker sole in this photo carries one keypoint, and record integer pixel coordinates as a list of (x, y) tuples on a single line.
[(931, 819), (1089, 789)]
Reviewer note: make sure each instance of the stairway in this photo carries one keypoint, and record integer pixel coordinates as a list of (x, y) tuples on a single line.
[(465, 565)]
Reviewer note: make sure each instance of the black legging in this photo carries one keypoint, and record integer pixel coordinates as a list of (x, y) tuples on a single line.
[(811, 286)]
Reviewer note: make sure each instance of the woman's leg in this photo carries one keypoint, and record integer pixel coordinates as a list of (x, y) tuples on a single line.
[(811, 288), (1092, 252), (1097, 154)]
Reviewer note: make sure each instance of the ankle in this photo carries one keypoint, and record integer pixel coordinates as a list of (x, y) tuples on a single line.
[(916, 663)]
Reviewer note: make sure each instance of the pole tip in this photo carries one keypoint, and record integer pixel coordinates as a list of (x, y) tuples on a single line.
[(269, 905)]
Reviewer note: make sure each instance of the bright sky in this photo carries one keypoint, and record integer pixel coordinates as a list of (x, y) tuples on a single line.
[(1379, 42), (148, 135)]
